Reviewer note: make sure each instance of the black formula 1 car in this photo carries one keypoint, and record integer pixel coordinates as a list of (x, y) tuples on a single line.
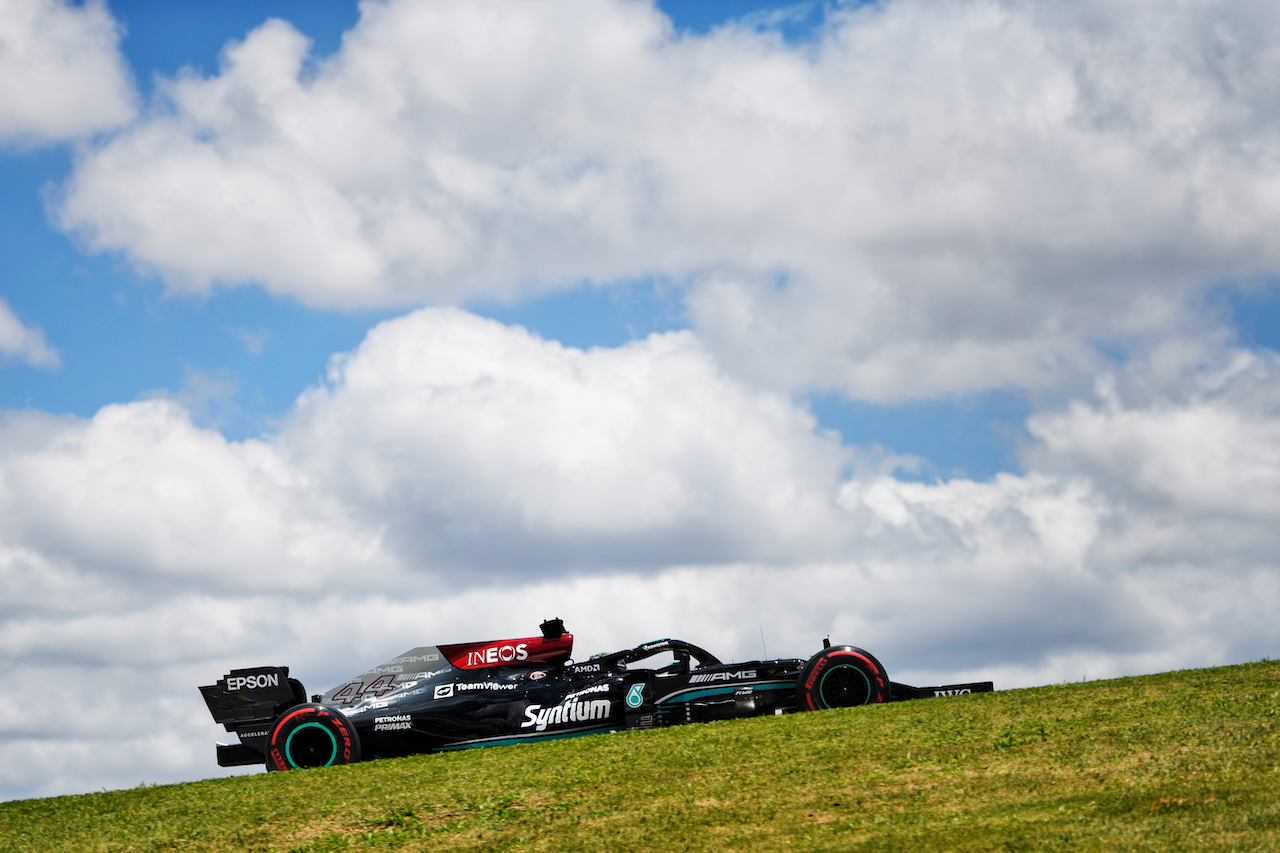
[(436, 698)]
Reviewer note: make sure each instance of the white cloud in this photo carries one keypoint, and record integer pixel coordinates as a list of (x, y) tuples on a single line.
[(23, 342), (1200, 458), (928, 198), (445, 428), (140, 494), (456, 479), (61, 73), (1192, 471), (254, 340)]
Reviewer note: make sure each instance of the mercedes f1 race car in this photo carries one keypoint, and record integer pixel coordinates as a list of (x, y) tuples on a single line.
[(436, 698)]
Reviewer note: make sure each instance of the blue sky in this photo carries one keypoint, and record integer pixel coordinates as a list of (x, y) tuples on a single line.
[(326, 330), (239, 358)]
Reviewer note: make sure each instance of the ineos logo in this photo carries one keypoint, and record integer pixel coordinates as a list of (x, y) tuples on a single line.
[(498, 654)]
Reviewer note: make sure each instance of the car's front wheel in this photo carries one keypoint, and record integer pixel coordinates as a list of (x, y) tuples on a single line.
[(312, 736), (841, 677)]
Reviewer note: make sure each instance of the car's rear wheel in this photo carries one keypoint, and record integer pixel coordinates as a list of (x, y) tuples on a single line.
[(842, 677), (312, 736)]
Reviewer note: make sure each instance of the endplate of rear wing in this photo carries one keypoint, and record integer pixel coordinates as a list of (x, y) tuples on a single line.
[(245, 696)]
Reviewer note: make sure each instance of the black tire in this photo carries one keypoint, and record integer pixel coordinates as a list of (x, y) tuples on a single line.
[(842, 677), (312, 736)]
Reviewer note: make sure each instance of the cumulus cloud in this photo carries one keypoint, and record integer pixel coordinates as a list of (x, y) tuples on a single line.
[(926, 198), (140, 494), (1191, 470), (22, 342), (61, 73), (446, 427), (454, 479)]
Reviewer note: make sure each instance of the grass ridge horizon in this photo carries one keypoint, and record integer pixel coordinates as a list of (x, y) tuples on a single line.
[(1186, 760)]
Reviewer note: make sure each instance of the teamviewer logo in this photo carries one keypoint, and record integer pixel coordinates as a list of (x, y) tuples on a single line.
[(444, 691)]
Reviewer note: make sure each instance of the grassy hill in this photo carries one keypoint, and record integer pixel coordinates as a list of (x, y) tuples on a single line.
[(1178, 761)]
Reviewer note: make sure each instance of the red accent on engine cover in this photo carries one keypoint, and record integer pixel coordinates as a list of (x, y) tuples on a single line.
[(528, 650)]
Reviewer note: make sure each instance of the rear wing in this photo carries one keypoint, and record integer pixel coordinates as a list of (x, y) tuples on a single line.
[(903, 692), (247, 702)]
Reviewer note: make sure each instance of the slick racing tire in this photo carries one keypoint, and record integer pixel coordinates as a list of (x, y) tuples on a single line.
[(312, 736), (841, 677)]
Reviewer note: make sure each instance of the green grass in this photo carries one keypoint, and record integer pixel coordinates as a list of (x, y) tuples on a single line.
[(1177, 761)]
